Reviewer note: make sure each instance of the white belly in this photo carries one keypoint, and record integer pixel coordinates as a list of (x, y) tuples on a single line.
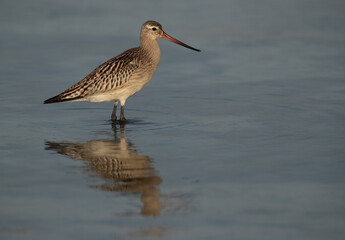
[(120, 94)]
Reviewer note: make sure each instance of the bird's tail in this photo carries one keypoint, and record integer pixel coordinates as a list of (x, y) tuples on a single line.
[(55, 99), (74, 93), (60, 98)]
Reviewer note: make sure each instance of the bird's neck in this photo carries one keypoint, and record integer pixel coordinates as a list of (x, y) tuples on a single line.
[(152, 49)]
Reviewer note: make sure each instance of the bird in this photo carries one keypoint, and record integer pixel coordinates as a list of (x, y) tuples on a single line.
[(122, 76)]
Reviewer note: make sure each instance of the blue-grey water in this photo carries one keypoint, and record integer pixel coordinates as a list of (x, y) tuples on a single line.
[(244, 140)]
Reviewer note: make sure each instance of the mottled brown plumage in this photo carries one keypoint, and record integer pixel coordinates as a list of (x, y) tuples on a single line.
[(122, 76)]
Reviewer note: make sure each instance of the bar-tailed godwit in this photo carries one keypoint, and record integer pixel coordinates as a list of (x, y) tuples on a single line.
[(122, 76)]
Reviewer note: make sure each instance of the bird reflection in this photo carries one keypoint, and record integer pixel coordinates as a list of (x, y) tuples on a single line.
[(120, 165)]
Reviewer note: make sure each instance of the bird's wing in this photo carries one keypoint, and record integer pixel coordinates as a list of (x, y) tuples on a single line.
[(111, 75)]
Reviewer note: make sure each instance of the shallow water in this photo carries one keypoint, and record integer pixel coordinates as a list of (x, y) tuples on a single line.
[(244, 140)]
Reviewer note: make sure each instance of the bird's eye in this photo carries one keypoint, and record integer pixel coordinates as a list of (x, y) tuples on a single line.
[(154, 29)]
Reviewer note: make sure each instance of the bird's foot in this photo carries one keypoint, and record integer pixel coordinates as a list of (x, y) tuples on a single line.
[(113, 118), (122, 119)]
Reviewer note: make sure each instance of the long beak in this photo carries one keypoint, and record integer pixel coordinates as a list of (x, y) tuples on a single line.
[(171, 39)]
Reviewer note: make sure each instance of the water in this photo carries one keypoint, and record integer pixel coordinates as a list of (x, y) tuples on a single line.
[(244, 140)]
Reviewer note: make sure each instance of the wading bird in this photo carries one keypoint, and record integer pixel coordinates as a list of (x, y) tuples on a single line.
[(122, 76)]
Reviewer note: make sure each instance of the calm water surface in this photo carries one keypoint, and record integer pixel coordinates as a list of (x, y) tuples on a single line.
[(244, 140)]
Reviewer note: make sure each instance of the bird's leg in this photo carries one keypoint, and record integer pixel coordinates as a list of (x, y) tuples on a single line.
[(113, 115), (122, 116)]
